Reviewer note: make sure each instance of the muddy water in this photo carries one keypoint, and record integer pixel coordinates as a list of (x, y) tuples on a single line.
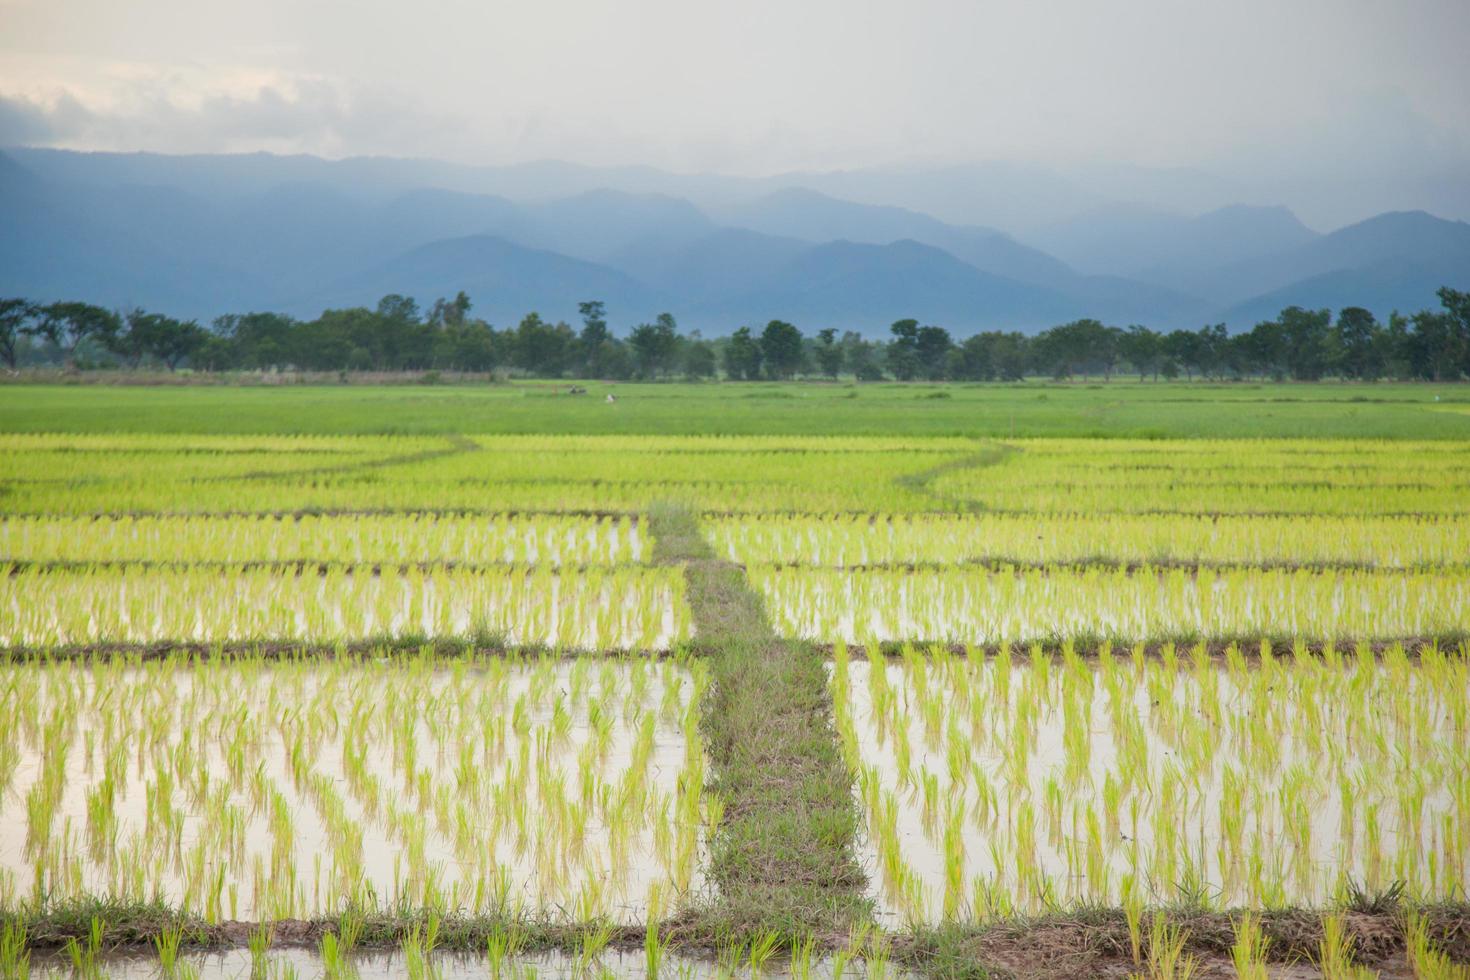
[(257, 790)]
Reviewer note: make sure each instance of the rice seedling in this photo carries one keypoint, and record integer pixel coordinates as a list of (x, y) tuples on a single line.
[(167, 943), (15, 955), (1248, 952), (1427, 962), (102, 605), (1220, 780), (1167, 959), (84, 953), (1154, 604), (439, 784), (762, 947)]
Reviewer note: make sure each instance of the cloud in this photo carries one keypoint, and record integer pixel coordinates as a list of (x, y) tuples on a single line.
[(296, 115), (24, 122)]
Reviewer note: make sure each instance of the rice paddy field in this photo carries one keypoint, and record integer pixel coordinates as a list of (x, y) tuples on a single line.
[(286, 702)]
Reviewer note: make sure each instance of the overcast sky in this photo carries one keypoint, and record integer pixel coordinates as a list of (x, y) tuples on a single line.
[(1288, 89)]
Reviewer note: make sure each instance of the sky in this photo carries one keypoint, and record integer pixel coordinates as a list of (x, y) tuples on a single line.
[(1359, 95)]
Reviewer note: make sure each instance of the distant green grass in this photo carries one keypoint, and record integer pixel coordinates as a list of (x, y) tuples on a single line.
[(1115, 409)]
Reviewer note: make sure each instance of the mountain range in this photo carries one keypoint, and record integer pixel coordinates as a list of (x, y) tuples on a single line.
[(202, 235)]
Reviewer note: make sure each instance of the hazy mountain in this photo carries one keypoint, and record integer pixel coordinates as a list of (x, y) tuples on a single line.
[(866, 287), (1392, 261), (1164, 248), (504, 280), (199, 236), (796, 212), (816, 217), (61, 243), (727, 262), (596, 224)]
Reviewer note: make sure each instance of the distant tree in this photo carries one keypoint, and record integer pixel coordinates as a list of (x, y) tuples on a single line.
[(827, 353), (1076, 346), (1457, 307), (1009, 353), (449, 312), (655, 346), (991, 356), (162, 337), (1435, 347), (542, 348), (1182, 348), (1212, 351), (600, 354), (15, 319), (932, 346), (1140, 347), (699, 359), (1354, 335), (594, 321), (861, 356), (67, 325), (742, 356), (1265, 348), (1305, 334), (781, 351), (405, 309), (903, 350), (255, 340)]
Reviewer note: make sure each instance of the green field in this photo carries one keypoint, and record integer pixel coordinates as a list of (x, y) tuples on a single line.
[(1117, 408), (742, 678)]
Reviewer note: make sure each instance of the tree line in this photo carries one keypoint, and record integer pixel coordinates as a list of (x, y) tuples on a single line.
[(398, 335)]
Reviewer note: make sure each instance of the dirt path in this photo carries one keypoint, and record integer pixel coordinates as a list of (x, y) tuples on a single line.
[(783, 859)]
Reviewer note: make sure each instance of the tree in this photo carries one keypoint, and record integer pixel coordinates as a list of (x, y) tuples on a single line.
[(1305, 337), (405, 309), (542, 348), (742, 356), (1182, 348), (1076, 346), (1434, 347), (828, 355), (931, 351), (654, 346), (699, 360), (903, 350), (1266, 348), (1212, 349), (861, 356), (1140, 347), (470, 346), (67, 325), (153, 334), (15, 322), (1354, 337), (781, 349), (1457, 307), (992, 355), (450, 312)]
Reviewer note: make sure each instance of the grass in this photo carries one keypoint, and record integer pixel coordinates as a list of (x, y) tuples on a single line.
[(782, 859), (1116, 409)]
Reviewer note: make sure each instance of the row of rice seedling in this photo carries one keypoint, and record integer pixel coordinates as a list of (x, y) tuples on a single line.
[(1017, 782), (125, 459), (275, 789), (372, 538), (947, 539), (746, 475), (617, 608), (982, 605), (510, 473), (1227, 476)]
